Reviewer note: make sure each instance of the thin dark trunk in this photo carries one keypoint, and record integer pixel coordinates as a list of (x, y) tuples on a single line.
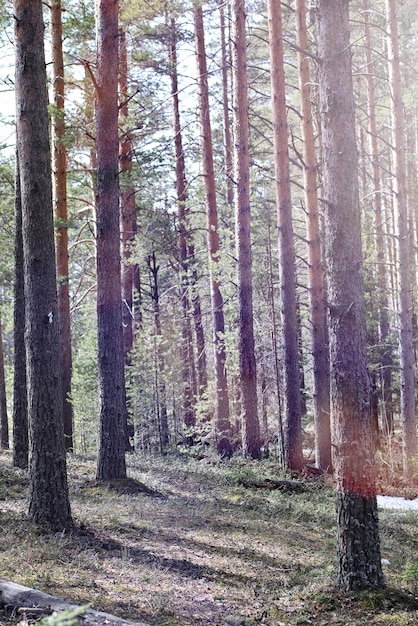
[(20, 403), (223, 427), (315, 270), (246, 344), (293, 426), (187, 354), (61, 217), (127, 201), (4, 424), (225, 64), (160, 389)]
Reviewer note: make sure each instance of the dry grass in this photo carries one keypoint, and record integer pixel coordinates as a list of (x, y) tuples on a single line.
[(184, 542)]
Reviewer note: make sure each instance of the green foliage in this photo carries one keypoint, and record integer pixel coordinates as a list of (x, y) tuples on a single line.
[(63, 618), (84, 381)]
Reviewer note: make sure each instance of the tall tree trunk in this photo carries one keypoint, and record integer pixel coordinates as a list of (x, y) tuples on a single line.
[(127, 225), (111, 457), (20, 400), (160, 390), (228, 152), (320, 356), (48, 491), (408, 419), (246, 344), (383, 300), (187, 356), (293, 426), (60, 204), (358, 548), (4, 424), (222, 427), (127, 200)]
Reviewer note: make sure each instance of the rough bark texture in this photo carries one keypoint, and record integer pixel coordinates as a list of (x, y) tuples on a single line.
[(406, 349), (246, 350), (48, 491), (4, 424), (60, 206), (20, 402), (359, 563), (292, 396), (222, 426), (315, 270), (128, 207), (111, 458)]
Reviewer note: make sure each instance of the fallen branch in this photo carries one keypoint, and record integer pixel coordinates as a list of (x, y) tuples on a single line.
[(286, 486), (14, 597)]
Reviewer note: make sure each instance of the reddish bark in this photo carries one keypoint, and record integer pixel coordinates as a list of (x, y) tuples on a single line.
[(60, 205), (293, 429), (111, 457)]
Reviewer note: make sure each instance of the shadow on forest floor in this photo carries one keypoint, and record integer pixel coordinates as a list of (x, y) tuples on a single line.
[(184, 542)]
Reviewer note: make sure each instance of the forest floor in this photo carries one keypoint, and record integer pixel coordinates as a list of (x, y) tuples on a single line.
[(185, 542)]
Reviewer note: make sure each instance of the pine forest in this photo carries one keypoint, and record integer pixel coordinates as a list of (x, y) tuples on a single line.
[(209, 331)]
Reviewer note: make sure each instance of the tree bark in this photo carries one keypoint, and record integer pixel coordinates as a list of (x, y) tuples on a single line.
[(406, 350), (246, 344), (128, 207), (48, 490), (358, 548), (61, 217), (20, 401), (317, 309), (228, 151), (222, 426), (111, 457), (293, 426), (4, 424)]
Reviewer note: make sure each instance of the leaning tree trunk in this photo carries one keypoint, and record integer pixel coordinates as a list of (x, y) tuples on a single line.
[(20, 402), (293, 426), (246, 344), (317, 309), (358, 549), (60, 203), (406, 348), (222, 426), (111, 457), (48, 491)]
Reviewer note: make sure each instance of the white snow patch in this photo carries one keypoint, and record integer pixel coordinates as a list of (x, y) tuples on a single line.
[(395, 502)]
